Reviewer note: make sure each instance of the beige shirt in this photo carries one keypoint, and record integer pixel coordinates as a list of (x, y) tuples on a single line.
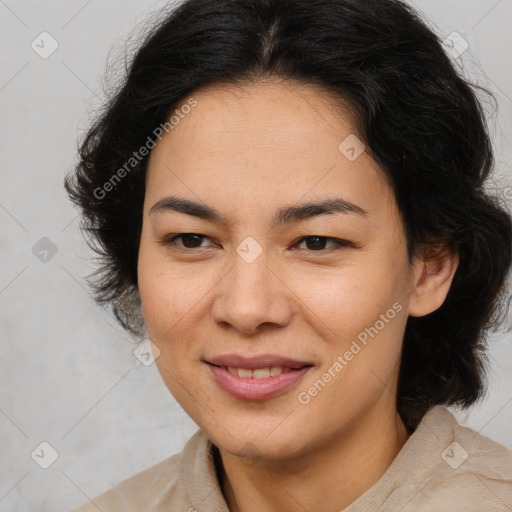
[(443, 466)]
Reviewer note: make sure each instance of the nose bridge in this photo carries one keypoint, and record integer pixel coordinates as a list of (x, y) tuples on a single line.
[(250, 271), (251, 293)]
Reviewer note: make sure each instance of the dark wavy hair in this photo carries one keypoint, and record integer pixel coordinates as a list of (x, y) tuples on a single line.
[(418, 117)]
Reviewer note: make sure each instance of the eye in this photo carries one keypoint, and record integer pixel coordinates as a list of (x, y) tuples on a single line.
[(190, 241), (315, 243)]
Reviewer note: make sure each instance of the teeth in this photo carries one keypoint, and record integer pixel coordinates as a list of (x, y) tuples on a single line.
[(257, 373), (261, 373)]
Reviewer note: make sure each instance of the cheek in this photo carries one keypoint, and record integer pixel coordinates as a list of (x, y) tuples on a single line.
[(172, 296), (347, 300), (158, 293), (165, 301), (168, 301)]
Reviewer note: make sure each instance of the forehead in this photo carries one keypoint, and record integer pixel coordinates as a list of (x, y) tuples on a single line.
[(227, 115), (262, 143)]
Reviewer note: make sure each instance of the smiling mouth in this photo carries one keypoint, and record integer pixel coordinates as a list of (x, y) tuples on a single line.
[(259, 373), (259, 378)]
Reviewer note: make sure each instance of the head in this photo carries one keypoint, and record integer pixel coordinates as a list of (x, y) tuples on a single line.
[(238, 135)]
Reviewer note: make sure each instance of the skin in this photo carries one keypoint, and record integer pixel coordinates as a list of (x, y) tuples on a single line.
[(248, 151)]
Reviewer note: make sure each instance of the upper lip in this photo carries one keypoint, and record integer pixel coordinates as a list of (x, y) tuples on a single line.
[(253, 362)]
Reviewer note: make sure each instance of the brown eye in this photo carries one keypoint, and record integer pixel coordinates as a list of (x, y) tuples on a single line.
[(189, 241), (316, 243)]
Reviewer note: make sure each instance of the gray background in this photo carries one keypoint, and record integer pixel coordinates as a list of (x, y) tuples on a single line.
[(67, 372)]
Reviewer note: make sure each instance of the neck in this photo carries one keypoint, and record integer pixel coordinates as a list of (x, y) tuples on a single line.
[(329, 478)]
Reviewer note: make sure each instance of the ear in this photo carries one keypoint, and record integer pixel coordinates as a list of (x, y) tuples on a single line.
[(433, 276)]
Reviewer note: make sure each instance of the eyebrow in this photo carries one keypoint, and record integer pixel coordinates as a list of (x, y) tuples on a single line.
[(285, 215)]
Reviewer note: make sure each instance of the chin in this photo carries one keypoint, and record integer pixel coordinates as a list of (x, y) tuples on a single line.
[(255, 443)]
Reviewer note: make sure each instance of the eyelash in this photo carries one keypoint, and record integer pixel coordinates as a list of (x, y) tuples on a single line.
[(170, 242)]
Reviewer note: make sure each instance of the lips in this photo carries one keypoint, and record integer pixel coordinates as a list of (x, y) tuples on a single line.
[(255, 362), (258, 377)]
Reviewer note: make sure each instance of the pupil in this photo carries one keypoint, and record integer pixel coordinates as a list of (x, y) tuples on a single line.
[(319, 242), (188, 237)]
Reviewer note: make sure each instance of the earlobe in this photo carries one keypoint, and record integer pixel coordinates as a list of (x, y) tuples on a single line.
[(432, 279)]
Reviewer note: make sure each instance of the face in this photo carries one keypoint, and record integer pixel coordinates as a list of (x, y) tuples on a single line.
[(278, 326)]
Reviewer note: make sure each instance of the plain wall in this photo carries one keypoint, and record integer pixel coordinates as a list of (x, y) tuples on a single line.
[(67, 372)]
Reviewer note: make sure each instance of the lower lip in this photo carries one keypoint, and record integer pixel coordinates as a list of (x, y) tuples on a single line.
[(256, 389)]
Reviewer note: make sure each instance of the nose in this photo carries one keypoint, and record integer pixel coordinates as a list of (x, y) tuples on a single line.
[(253, 296)]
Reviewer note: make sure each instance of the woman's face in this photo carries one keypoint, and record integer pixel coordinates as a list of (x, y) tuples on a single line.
[(251, 293)]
